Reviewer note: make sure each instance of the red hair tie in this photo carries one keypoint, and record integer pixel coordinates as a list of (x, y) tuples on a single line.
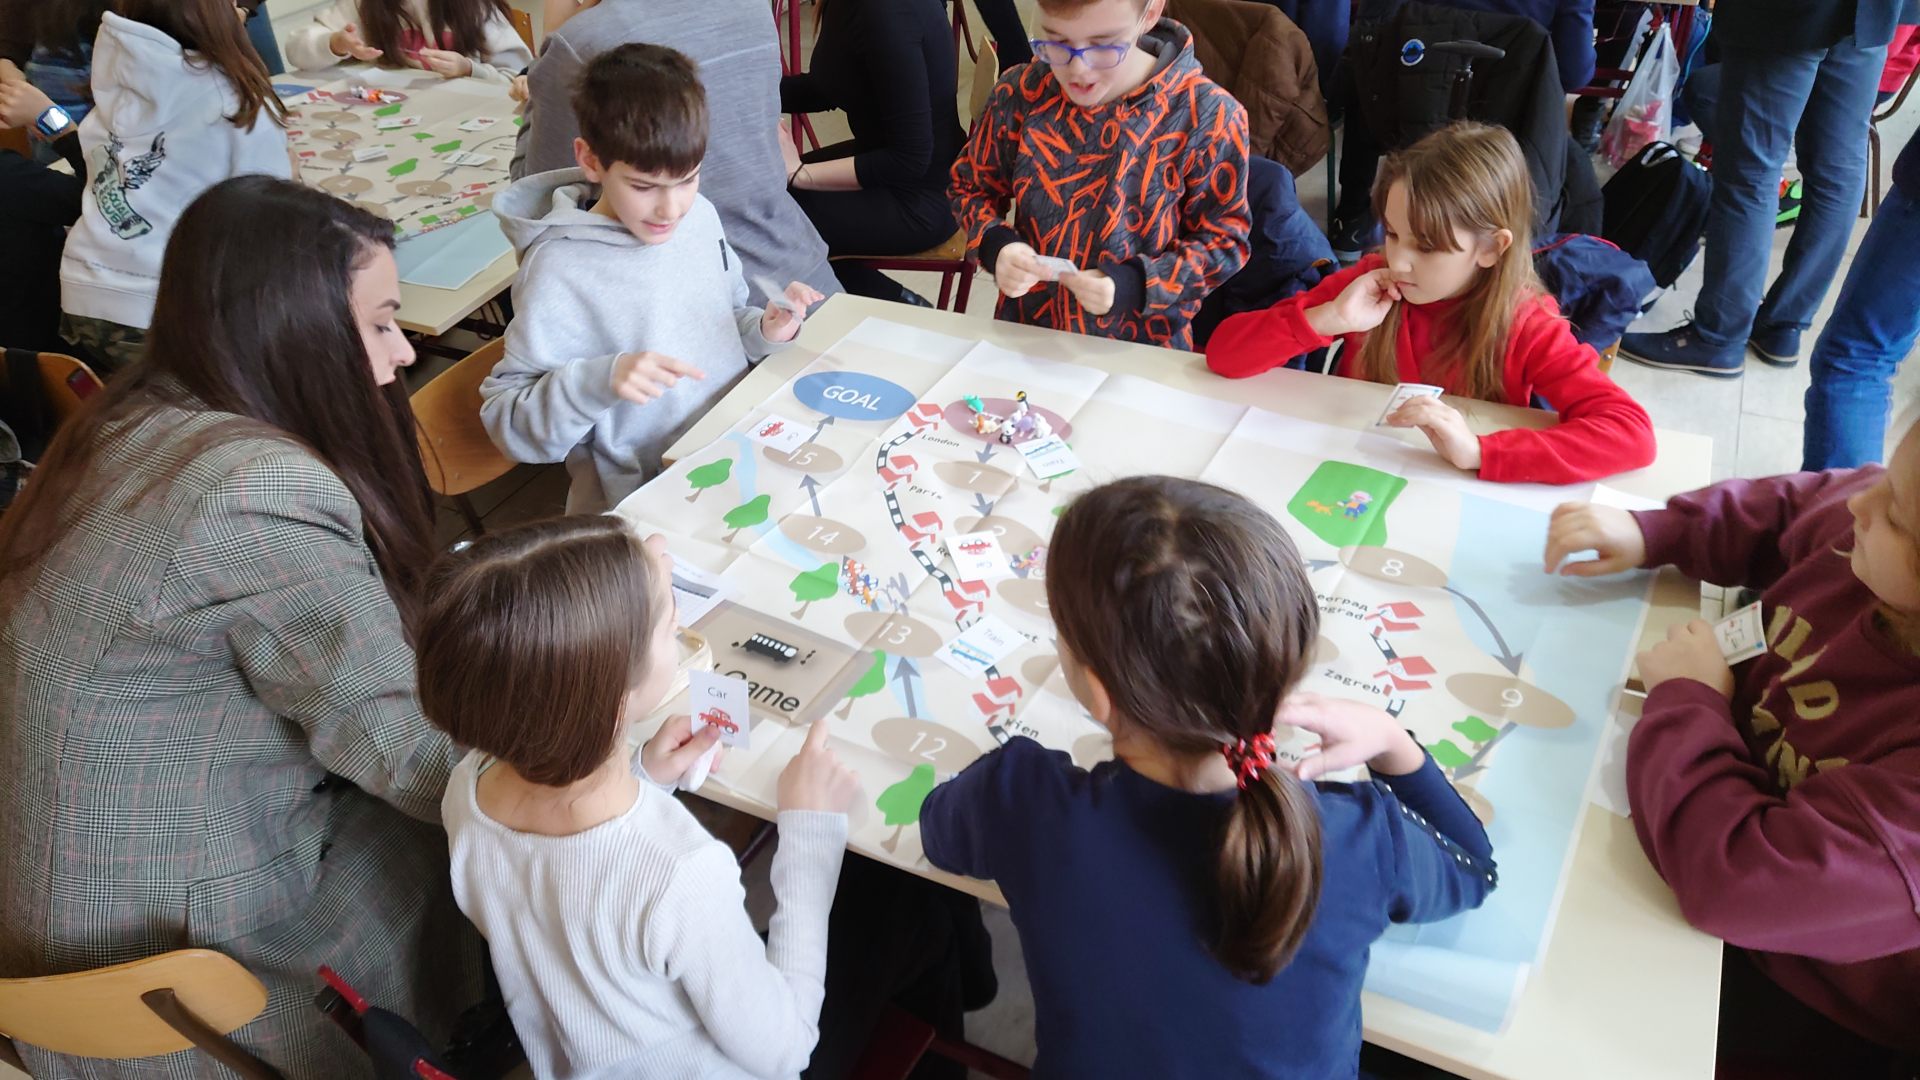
[(1248, 758)]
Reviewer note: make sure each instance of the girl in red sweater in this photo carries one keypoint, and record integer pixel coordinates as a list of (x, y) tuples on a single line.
[(1452, 301)]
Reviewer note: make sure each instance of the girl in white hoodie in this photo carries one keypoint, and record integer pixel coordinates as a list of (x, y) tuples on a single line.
[(451, 38), (181, 102)]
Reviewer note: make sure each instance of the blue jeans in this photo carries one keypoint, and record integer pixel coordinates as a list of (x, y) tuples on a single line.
[(260, 32), (1872, 329), (1818, 101)]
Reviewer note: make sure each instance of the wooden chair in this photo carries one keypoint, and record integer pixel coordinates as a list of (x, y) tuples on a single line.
[(1872, 204), (950, 259), (962, 32), (160, 1005), (454, 447), (523, 25), (67, 383), (15, 139)]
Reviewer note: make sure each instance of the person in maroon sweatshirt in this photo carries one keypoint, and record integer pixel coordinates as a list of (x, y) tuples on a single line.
[(1781, 801), (1118, 157), (1452, 301)]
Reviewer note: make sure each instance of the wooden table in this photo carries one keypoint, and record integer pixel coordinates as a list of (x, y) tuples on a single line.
[(1627, 988), (424, 309)]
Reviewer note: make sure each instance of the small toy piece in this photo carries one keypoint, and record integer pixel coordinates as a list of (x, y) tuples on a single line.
[(973, 402), (986, 423), (1023, 423), (771, 647), (719, 718), (1031, 561), (861, 585)]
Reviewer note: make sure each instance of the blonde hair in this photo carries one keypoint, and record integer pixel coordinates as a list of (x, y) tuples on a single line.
[(1469, 177)]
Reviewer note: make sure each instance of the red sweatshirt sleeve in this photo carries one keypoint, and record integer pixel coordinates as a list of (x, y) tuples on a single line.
[(1256, 341), (1811, 873), (1730, 534), (1602, 430)]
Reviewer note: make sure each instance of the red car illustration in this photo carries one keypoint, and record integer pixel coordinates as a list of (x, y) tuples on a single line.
[(772, 429), (719, 718)]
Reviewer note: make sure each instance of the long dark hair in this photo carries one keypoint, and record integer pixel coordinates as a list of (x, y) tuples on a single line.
[(462, 22), (1191, 606), (209, 28), (62, 26), (250, 324), (551, 619)]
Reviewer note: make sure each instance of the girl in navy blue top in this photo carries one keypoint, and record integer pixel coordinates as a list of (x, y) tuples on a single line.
[(1192, 909)]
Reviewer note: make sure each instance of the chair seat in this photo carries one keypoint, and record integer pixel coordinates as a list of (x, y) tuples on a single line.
[(954, 249)]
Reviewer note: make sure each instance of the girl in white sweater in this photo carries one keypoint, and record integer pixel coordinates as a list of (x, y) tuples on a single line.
[(451, 38), (617, 924), (181, 102)]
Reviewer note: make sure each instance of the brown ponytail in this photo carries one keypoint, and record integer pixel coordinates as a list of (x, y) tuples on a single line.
[(1192, 607)]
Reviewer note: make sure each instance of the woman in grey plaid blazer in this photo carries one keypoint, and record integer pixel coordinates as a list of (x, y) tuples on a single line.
[(207, 707)]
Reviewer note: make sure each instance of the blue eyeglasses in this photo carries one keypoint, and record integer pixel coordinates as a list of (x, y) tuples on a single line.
[(1097, 57)]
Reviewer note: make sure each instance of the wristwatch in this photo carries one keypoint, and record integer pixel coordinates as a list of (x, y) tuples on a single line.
[(53, 123)]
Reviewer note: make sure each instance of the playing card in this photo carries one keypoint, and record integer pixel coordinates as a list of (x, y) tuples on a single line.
[(720, 701), (777, 432), (980, 646), (777, 296), (464, 158), (1048, 457), (1404, 393), (1058, 267), (695, 591), (479, 123), (369, 153), (1742, 637), (977, 556), (395, 123)]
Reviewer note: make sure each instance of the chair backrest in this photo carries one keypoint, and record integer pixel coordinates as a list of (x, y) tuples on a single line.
[(986, 72), (100, 1013), (67, 382), (522, 23), (455, 448)]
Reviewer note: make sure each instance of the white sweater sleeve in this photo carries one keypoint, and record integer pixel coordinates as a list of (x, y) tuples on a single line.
[(758, 1002), (306, 47), (505, 56)]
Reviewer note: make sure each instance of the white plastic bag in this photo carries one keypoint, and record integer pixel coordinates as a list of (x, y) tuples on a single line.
[(1645, 114)]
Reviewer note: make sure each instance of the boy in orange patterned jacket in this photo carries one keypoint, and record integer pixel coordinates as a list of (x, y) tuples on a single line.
[(1122, 159)]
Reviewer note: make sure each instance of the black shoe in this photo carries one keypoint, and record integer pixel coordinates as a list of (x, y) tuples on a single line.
[(1354, 237), (1588, 121), (908, 296)]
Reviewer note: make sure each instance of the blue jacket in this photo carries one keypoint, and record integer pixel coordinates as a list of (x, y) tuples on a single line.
[(1289, 252), (1777, 26), (1906, 167)]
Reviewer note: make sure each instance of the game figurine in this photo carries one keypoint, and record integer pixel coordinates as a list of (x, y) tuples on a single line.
[(772, 648), (861, 585), (1031, 561), (986, 423)]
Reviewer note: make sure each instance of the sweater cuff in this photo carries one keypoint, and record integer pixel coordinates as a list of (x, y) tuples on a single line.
[(1129, 286), (991, 241), (1664, 532)]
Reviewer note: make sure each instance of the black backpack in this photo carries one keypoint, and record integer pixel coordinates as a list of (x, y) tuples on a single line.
[(1656, 209)]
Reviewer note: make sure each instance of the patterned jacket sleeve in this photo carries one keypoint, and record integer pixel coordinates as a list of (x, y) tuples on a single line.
[(1213, 220), (982, 187), (311, 626)]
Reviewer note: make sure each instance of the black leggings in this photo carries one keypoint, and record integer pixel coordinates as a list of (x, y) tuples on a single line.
[(1009, 34), (874, 221)]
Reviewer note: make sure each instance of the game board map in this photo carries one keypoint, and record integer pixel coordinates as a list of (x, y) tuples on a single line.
[(1434, 605)]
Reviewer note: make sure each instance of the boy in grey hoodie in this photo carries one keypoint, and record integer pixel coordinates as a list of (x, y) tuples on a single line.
[(631, 313)]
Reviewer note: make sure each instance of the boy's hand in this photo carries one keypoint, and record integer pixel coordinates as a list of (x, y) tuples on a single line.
[(1691, 651), (1093, 288), (1360, 307), (517, 89), (1444, 427), (1350, 734), (446, 64), (21, 103), (815, 779), (1608, 530), (782, 319), (675, 747), (645, 376), (1017, 270), (346, 42), (9, 72)]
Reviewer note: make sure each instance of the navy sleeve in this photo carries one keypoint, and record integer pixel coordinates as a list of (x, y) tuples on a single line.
[(1572, 32), (961, 821), (1440, 860)]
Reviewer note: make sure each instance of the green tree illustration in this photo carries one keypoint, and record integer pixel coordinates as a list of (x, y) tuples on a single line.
[(901, 802), (810, 585), (870, 683), (747, 514), (712, 474)]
